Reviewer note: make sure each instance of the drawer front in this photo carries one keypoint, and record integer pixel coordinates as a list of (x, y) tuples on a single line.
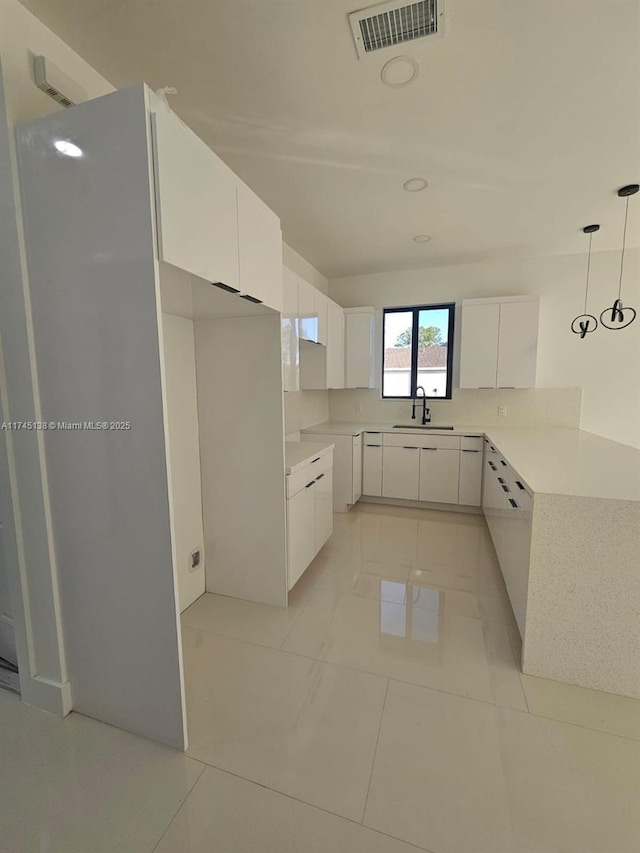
[(372, 439), (444, 442), (299, 479), (471, 442)]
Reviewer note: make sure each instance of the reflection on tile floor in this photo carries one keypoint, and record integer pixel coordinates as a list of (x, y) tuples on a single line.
[(391, 696), (383, 712)]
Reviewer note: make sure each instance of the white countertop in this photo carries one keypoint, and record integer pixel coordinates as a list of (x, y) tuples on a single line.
[(551, 460), (298, 453), (356, 428)]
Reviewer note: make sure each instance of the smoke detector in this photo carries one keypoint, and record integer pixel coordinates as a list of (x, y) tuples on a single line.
[(394, 23), (55, 83)]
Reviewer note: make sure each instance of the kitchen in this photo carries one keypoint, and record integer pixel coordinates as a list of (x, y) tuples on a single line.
[(295, 524)]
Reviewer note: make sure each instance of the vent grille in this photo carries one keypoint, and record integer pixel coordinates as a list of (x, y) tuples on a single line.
[(395, 23), (58, 97)]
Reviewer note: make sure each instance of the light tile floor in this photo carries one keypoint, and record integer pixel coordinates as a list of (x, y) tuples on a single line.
[(384, 712)]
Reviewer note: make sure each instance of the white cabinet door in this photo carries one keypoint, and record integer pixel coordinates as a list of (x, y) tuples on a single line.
[(289, 326), (401, 472), (322, 311), (260, 250), (439, 472), (518, 344), (470, 483), (372, 467), (323, 496), (301, 531), (357, 468), (307, 308), (196, 204), (479, 349), (335, 345), (359, 349)]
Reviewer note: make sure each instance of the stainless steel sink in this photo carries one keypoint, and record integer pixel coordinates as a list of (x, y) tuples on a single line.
[(420, 426)]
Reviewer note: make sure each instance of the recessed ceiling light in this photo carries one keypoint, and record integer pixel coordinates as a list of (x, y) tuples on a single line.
[(414, 185), (421, 238), (399, 71), (67, 148)]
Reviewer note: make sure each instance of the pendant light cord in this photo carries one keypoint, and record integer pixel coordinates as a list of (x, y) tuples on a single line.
[(586, 290), (624, 241)]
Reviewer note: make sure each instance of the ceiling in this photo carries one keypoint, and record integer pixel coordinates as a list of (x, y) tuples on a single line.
[(524, 119)]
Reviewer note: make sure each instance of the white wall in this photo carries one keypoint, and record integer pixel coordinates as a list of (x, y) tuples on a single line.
[(295, 262), (242, 452), (606, 364), (32, 558), (178, 348), (304, 408)]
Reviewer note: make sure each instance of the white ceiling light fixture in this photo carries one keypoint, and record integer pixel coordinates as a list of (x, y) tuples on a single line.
[(67, 148), (388, 24), (421, 238), (415, 185), (399, 71)]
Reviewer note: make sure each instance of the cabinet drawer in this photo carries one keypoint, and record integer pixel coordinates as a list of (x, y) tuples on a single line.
[(471, 442), (446, 442), (372, 439), (310, 472)]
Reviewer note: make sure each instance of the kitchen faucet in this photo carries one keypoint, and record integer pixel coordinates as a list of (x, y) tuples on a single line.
[(426, 413)]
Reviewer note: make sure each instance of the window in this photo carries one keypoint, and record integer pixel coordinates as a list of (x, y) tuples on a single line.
[(418, 351)]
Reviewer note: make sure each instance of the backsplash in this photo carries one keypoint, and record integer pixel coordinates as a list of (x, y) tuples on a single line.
[(539, 407), (305, 408)]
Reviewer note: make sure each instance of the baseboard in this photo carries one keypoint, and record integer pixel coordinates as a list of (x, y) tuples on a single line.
[(371, 499), (52, 696)]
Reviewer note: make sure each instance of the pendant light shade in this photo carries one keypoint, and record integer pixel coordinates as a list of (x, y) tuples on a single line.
[(618, 317), (585, 323)]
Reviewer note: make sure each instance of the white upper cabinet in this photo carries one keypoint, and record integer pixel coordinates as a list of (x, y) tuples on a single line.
[(499, 342), (359, 347), (322, 312), (260, 250), (322, 367), (308, 327), (196, 204), (289, 325), (479, 351), (518, 344), (335, 345)]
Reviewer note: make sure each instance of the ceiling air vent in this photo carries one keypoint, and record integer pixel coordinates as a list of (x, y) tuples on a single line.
[(55, 83), (390, 24)]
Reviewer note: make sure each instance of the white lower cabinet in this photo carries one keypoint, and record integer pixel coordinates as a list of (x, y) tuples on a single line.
[(401, 472), (470, 477), (357, 467), (323, 509), (301, 531), (372, 464), (439, 474), (347, 467), (309, 512), (508, 508)]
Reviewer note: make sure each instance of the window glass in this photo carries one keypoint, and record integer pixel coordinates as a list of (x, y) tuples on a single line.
[(425, 362)]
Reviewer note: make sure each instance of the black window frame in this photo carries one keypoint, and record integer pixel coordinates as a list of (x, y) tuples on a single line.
[(416, 309)]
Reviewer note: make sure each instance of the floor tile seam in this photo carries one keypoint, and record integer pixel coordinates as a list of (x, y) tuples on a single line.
[(330, 663), (228, 772), (182, 804), (410, 684), (375, 752), (516, 710)]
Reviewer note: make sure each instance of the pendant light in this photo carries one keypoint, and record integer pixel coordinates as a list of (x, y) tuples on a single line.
[(618, 317), (585, 323)]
